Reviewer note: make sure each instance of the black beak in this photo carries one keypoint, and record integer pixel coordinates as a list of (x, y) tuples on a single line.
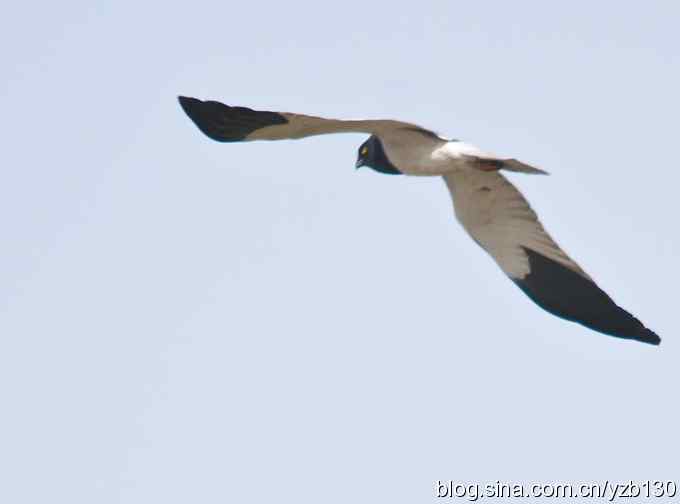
[(359, 163)]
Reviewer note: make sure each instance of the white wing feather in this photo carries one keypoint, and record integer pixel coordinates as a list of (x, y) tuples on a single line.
[(226, 123), (500, 219), (300, 126)]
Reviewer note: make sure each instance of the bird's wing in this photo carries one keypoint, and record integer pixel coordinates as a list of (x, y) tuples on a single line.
[(501, 221), (239, 124)]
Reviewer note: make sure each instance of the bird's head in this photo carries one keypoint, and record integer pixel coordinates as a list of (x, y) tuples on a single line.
[(372, 154)]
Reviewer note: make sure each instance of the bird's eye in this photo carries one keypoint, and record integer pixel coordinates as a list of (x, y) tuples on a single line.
[(364, 151)]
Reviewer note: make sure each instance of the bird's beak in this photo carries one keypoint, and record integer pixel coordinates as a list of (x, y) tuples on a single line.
[(359, 164)]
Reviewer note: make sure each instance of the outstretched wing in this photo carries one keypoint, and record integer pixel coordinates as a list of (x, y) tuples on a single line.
[(239, 124), (501, 221)]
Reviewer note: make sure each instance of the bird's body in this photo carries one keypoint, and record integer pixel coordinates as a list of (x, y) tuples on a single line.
[(416, 153), (487, 205)]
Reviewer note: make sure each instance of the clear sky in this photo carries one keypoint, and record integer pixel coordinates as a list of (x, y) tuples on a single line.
[(186, 321)]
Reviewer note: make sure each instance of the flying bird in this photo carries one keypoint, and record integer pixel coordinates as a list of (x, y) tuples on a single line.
[(488, 206)]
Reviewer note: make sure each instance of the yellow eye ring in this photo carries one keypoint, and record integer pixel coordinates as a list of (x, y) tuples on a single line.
[(364, 151)]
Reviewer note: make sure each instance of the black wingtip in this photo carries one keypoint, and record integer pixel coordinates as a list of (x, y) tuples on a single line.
[(188, 104), (224, 123), (648, 336), (203, 117), (569, 295), (192, 108)]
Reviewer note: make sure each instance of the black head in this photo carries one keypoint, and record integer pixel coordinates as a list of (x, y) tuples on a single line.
[(372, 154)]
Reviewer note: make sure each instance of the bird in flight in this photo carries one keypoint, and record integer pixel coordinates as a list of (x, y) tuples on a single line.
[(488, 206)]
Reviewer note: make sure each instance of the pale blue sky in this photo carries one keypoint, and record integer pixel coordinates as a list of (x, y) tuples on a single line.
[(185, 321)]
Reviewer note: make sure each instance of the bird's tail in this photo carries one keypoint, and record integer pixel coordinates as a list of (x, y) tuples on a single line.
[(517, 166), (491, 164)]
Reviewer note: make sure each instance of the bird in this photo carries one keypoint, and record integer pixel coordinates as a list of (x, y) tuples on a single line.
[(488, 206)]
